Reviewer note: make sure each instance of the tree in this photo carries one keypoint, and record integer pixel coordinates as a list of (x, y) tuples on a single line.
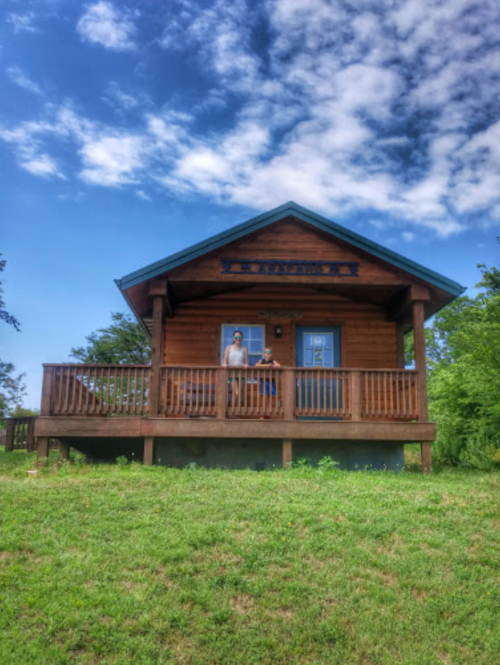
[(464, 377), (437, 336), (4, 314), (124, 341), (21, 412), (12, 388)]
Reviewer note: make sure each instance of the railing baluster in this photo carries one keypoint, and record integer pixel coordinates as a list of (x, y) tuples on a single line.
[(384, 394), (201, 393), (404, 397), (170, 391)]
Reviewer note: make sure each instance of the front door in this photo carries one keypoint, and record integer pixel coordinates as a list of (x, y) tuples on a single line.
[(318, 347)]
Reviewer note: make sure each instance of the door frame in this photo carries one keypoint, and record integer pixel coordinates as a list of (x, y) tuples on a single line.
[(299, 331)]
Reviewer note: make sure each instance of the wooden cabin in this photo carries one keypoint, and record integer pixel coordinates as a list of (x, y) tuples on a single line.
[(334, 307)]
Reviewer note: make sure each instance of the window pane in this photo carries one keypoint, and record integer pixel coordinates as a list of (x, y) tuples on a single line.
[(255, 346), (318, 358), (253, 339)]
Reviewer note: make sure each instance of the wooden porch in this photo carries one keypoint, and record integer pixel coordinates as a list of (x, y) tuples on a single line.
[(191, 401)]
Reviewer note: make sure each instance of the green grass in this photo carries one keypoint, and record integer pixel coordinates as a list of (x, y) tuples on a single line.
[(128, 564)]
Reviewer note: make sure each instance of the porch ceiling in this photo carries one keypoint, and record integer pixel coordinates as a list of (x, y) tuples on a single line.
[(386, 296)]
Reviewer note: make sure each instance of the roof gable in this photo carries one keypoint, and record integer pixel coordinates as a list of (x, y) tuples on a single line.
[(288, 250), (306, 216)]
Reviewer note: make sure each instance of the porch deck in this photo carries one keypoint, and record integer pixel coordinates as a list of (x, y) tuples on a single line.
[(213, 402)]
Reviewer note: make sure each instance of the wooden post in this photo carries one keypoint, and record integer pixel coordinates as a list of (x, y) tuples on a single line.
[(148, 450), (426, 455), (288, 393), (156, 355), (221, 392), (356, 396), (42, 451), (48, 381), (9, 435), (287, 453), (420, 366), (64, 449), (419, 350)]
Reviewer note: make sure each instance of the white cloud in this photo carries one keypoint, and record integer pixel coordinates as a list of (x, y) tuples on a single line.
[(18, 77), (345, 108), (222, 35), (23, 22), (42, 165), (103, 24), (112, 160), (121, 100)]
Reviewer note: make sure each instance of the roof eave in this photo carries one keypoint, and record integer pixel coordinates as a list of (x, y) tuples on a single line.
[(131, 305)]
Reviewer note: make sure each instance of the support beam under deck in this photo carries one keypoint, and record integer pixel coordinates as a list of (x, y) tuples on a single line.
[(61, 426)]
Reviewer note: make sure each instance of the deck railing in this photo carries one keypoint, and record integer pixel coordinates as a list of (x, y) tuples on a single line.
[(20, 433), (188, 391), (95, 390), (389, 393), (123, 390)]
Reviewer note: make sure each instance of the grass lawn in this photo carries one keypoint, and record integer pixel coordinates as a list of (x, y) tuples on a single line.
[(130, 564)]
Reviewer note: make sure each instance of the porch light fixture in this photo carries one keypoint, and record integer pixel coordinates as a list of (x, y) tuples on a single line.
[(278, 331)]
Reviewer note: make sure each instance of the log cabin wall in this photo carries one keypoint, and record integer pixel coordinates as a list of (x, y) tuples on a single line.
[(368, 340), (192, 336)]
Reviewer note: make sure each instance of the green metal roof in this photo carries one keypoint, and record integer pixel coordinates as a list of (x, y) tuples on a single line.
[(305, 215)]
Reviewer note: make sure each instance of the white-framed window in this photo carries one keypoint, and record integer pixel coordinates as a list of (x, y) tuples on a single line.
[(253, 339)]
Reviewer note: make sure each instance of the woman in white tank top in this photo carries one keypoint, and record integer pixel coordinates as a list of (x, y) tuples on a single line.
[(236, 355)]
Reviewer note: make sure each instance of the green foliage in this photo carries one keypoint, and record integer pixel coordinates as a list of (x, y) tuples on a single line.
[(463, 355), (21, 412), (124, 341), (166, 566), (328, 464), (12, 388), (78, 459), (302, 463), (437, 336), (4, 314)]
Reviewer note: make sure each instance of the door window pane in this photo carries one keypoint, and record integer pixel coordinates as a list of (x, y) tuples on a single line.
[(318, 349)]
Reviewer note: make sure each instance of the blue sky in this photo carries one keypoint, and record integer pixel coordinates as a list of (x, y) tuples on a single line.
[(130, 130)]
